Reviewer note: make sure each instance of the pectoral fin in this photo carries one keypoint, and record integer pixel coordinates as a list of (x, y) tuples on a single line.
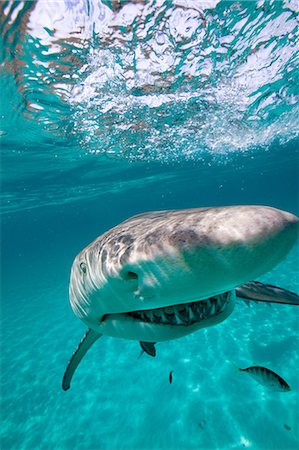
[(86, 342), (148, 347), (261, 292)]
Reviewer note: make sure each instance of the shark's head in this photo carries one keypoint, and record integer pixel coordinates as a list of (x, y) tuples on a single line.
[(161, 275)]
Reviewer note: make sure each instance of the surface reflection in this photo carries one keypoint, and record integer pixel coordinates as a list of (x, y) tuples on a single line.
[(154, 80)]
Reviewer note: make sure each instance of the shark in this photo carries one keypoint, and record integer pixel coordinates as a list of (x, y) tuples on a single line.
[(162, 275)]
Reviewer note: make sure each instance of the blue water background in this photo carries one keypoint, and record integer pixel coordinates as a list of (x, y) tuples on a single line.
[(116, 400), (210, 119)]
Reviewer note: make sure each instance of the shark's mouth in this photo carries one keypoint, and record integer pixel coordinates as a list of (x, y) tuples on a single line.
[(168, 322), (184, 314)]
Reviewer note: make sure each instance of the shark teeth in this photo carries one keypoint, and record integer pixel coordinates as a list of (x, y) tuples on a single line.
[(184, 314)]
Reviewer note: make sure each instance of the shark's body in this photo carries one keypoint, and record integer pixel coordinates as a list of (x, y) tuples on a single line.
[(162, 275)]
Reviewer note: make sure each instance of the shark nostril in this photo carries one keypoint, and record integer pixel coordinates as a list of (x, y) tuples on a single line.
[(132, 275)]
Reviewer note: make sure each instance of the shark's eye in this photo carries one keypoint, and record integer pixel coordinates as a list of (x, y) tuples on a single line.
[(83, 267)]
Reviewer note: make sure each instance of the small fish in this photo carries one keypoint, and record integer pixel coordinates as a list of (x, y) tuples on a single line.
[(170, 376), (202, 423), (267, 378), (148, 347), (287, 427)]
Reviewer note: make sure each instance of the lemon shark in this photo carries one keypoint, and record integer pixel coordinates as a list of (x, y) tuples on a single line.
[(162, 275)]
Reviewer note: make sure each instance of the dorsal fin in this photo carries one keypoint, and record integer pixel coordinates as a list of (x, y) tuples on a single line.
[(86, 342)]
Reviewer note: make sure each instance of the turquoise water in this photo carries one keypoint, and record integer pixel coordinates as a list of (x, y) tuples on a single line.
[(115, 108)]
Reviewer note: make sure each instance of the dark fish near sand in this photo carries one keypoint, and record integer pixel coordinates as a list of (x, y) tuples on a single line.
[(267, 378)]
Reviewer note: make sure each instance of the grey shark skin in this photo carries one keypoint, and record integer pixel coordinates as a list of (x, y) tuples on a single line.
[(162, 275)]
